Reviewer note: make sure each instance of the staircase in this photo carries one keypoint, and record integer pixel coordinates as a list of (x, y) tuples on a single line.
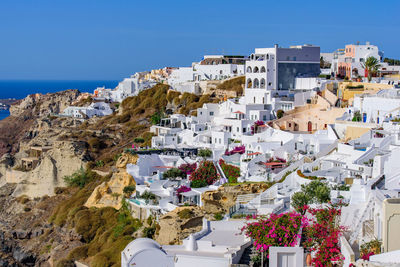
[(360, 222), (246, 256), (223, 178)]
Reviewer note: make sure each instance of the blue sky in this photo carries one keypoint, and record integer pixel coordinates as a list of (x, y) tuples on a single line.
[(111, 39)]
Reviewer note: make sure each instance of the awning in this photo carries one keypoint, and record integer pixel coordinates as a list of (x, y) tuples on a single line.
[(238, 112), (273, 164), (255, 153), (162, 167), (189, 194)]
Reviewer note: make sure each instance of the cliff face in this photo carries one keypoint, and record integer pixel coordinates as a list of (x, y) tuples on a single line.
[(110, 194), (26, 116), (39, 105), (63, 159), (26, 238)]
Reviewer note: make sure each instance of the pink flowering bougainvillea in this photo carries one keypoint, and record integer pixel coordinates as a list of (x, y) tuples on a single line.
[(322, 236), (206, 172), (321, 232), (183, 189), (255, 126), (275, 230), (188, 168), (238, 149)]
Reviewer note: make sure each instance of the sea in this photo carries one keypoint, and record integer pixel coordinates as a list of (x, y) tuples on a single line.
[(21, 88)]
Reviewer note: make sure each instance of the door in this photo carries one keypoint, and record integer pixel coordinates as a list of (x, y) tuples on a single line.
[(309, 126)]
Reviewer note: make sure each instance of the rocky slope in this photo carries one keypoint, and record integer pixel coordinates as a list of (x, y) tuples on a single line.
[(110, 193), (26, 237), (219, 201), (178, 224)]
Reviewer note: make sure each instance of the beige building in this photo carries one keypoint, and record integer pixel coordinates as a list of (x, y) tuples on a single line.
[(391, 225), (347, 90), (311, 117)]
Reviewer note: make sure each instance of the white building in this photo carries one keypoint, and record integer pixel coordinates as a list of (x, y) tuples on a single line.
[(211, 68), (379, 107), (218, 244), (128, 87), (98, 109)]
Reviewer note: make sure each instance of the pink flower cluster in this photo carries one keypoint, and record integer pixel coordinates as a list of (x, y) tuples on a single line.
[(188, 168), (322, 236), (238, 149), (183, 189), (275, 230)]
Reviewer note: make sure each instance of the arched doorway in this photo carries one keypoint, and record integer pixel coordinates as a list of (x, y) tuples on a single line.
[(309, 126)]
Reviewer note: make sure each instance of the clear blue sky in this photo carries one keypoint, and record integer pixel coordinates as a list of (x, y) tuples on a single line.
[(111, 39)]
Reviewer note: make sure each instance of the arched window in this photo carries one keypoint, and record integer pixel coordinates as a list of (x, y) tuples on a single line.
[(262, 83), (255, 69), (249, 83), (262, 69), (249, 69), (256, 83)]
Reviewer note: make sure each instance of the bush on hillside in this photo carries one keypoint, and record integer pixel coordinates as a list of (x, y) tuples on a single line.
[(173, 173), (80, 178)]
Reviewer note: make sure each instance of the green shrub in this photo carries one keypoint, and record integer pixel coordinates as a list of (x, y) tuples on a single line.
[(99, 163), (280, 113), (149, 232), (198, 183), (79, 178), (218, 216), (205, 153), (128, 190), (138, 140), (173, 173), (185, 214)]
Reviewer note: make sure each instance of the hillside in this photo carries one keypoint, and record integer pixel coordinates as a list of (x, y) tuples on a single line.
[(55, 228)]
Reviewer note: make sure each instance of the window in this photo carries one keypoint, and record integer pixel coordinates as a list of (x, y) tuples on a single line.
[(264, 117), (237, 129), (220, 140), (201, 113), (244, 130), (254, 100), (294, 58), (211, 113)]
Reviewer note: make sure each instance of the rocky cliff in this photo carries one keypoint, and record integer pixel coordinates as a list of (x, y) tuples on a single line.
[(178, 224), (225, 197), (110, 193)]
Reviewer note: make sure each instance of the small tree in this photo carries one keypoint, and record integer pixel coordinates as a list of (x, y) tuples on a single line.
[(357, 116), (314, 192), (280, 113), (174, 173), (156, 117), (205, 153), (371, 65), (300, 201), (128, 190)]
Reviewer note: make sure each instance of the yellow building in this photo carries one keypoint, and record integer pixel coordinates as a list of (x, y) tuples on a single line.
[(347, 90)]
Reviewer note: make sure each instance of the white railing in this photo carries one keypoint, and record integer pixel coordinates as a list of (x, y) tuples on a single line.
[(242, 199), (223, 179), (358, 227)]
